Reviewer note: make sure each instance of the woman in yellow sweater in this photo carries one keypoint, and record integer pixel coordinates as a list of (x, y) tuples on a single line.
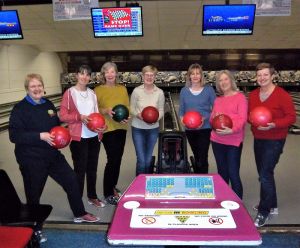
[(110, 94)]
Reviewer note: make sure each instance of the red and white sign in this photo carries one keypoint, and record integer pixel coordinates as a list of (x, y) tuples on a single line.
[(117, 18)]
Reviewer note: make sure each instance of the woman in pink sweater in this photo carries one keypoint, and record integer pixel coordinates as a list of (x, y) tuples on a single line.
[(227, 143)]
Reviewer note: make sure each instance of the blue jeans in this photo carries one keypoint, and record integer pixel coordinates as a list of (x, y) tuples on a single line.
[(144, 141), (228, 160), (267, 154)]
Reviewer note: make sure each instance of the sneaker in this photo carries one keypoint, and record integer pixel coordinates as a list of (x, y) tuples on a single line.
[(112, 200), (117, 192), (273, 211), (96, 203), (86, 218), (260, 220), (40, 236)]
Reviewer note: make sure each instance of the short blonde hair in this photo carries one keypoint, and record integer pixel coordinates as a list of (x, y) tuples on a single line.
[(106, 66), (231, 78), (149, 68), (193, 67), (31, 76)]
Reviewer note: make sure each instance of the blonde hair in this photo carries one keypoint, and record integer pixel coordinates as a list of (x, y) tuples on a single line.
[(193, 67), (149, 68), (106, 66), (31, 76), (265, 65), (231, 78)]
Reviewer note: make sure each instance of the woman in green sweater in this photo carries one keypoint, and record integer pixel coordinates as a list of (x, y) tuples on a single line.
[(110, 94)]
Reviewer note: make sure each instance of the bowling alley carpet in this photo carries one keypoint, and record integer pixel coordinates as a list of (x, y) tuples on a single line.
[(95, 239)]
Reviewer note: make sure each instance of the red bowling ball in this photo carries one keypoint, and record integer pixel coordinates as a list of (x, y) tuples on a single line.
[(96, 121), (221, 120), (260, 116), (150, 114), (62, 137), (192, 119)]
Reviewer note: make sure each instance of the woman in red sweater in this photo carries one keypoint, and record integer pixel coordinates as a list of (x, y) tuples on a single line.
[(269, 140)]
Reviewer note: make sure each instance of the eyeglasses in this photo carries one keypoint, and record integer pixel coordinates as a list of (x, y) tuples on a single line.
[(149, 75)]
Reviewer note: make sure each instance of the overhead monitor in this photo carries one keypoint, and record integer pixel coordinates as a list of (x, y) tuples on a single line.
[(117, 22), (10, 27), (233, 19)]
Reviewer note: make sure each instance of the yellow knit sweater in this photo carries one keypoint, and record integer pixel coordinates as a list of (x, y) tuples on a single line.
[(108, 97)]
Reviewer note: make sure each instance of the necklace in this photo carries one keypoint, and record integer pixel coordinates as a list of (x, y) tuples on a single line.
[(84, 95), (264, 95)]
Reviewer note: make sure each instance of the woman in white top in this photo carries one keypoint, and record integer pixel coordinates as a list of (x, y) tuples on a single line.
[(77, 104), (145, 135)]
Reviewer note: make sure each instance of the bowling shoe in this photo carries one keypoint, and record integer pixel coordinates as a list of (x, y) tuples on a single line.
[(96, 203), (260, 220), (112, 200), (117, 192), (40, 236), (273, 211), (87, 218)]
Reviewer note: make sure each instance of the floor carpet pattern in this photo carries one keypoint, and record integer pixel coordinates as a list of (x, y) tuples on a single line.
[(95, 239)]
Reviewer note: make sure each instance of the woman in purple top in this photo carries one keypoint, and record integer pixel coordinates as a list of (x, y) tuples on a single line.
[(227, 143), (197, 96)]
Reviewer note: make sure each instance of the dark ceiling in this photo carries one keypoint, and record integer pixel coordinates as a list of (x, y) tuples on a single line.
[(168, 60)]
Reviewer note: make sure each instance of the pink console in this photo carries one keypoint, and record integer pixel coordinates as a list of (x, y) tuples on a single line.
[(187, 209)]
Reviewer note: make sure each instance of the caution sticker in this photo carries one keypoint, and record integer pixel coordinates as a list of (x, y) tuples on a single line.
[(182, 218)]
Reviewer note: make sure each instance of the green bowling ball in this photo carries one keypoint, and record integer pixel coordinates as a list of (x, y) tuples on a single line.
[(121, 113)]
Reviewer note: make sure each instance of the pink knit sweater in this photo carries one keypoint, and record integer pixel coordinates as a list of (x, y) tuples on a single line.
[(235, 107)]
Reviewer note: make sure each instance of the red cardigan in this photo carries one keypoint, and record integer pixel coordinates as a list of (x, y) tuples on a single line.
[(283, 111)]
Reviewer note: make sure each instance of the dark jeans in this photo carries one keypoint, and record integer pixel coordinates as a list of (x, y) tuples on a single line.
[(199, 141), (85, 155), (228, 160), (36, 171), (144, 141), (114, 143), (267, 154)]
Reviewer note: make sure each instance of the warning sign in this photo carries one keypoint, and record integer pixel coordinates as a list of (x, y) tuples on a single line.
[(148, 220), (216, 221), (182, 218), (117, 18)]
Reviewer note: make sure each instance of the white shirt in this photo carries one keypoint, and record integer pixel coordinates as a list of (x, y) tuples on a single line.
[(140, 98), (85, 106)]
